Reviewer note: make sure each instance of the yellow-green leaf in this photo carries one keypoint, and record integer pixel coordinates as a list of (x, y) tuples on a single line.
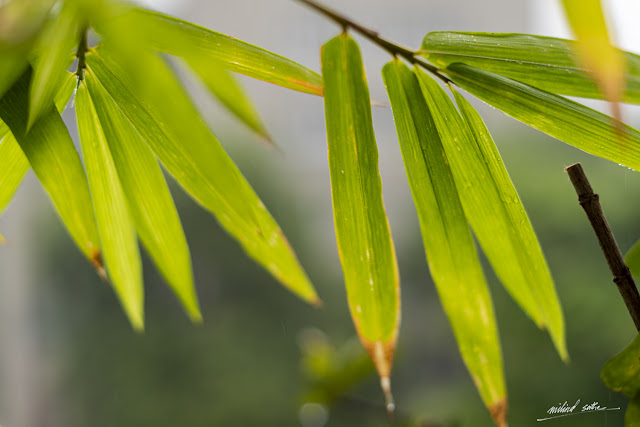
[(149, 200), (14, 163), (603, 61), (622, 372), (632, 416), (172, 127), (450, 250), (180, 38), (56, 44), (632, 259), (547, 63), (494, 210), (362, 229), (56, 163), (566, 120), (117, 232), (222, 84)]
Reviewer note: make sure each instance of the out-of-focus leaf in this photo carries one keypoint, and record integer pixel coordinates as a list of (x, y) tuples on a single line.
[(632, 416), (544, 62), (117, 233), (494, 210), (14, 163), (180, 38), (229, 92), (557, 116), (171, 126), (622, 371), (632, 259), (56, 44), (56, 163), (149, 200), (450, 250), (14, 63), (21, 21), (604, 62), (362, 229)]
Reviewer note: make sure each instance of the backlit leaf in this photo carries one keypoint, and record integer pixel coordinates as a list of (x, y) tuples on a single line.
[(180, 38), (632, 416), (56, 45), (222, 84), (603, 61), (494, 210), (362, 230), (632, 259), (117, 233), (544, 62), (56, 163), (557, 116), (171, 126), (450, 250), (622, 372), (149, 200)]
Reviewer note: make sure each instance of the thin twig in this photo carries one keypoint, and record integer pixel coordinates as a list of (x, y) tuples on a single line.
[(621, 275), (81, 54), (392, 48)]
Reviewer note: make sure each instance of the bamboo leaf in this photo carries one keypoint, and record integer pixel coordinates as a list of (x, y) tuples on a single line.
[(450, 250), (149, 200), (632, 416), (568, 121), (622, 372), (56, 163), (544, 62), (362, 229), (632, 259), (603, 61), (222, 84), (171, 126), (180, 38), (494, 210), (14, 63), (117, 233), (56, 44), (14, 163)]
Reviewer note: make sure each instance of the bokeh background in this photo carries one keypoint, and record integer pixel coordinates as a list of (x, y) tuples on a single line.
[(68, 357)]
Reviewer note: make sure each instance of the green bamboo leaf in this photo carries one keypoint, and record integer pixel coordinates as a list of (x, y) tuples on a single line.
[(180, 38), (362, 229), (632, 416), (149, 200), (56, 44), (14, 163), (604, 62), (450, 250), (632, 259), (568, 121), (14, 63), (222, 84), (494, 209), (622, 372), (171, 126), (56, 163), (117, 232), (544, 62)]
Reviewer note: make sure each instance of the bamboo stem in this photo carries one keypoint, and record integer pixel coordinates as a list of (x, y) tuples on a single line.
[(590, 202)]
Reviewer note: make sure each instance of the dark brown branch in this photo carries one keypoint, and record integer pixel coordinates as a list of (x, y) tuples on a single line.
[(621, 275), (390, 47)]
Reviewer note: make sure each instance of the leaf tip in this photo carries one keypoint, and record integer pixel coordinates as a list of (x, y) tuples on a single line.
[(390, 405), (498, 412), (3, 241), (95, 257)]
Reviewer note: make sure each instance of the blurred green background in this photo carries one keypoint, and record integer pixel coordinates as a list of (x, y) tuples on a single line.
[(69, 358)]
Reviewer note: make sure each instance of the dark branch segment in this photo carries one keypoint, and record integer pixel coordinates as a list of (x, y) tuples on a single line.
[(621, 275)]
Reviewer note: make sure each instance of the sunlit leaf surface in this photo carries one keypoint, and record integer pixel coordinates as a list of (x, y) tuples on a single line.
[(362, 230), (180, 38), (56, 163), (450, 250), (555, 115), (622, 372), (494, 210), (544, 62), (223, 85), (117, 233), (171, 126), (149, 200)]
